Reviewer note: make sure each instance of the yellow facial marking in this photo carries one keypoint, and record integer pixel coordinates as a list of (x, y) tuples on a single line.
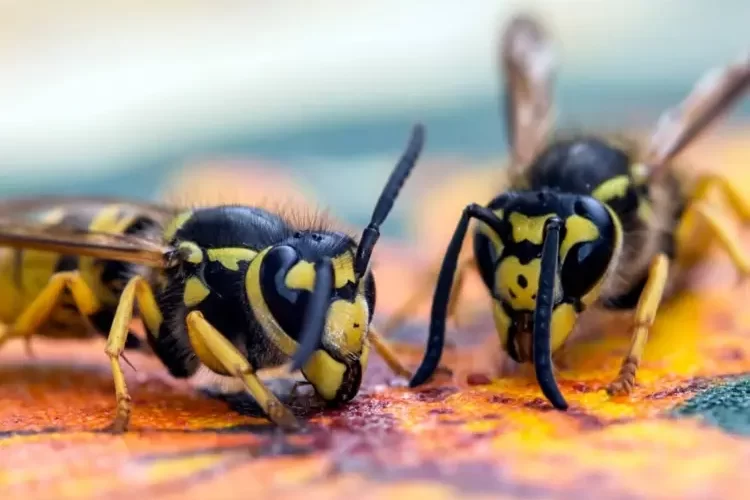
[(343, 269), (517, 283), (346, 326), (563, 320), (578, 230), (195, 291), (325, 374), (494, 238), (176, 223), (230, 258), (528, 228), (301, 276), (502, 322), (611, 189), (192, 251)]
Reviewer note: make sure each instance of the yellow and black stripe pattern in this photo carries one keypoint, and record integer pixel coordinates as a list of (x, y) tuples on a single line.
[(585, 220), (234, 288)]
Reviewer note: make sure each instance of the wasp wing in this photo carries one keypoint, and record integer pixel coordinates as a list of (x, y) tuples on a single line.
[(25, 208), (714, 94), (529, 65), (22, 226), (125, 248)]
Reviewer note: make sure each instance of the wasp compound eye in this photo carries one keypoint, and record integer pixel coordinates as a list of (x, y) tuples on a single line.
[(592, 232), (285, 304)]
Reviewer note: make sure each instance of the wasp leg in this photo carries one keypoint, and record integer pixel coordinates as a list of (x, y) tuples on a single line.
[(201, 331), (707, 182), (645, 312), (44, 303), (724, 236), (136, 291), (384, 350), (423, 292)]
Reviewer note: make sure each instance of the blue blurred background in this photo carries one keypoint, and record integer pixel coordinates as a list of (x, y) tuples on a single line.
[(113, 98)]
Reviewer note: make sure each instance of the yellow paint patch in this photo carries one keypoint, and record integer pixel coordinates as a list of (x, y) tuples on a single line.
[(195, 291), (230, 258), (578, 230), (612, 189), (176, 223), (346, 326), (506, 282), (193, 252), (527, 228), (325, 374)]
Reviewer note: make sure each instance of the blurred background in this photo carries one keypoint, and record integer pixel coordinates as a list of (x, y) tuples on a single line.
[(132, 98)]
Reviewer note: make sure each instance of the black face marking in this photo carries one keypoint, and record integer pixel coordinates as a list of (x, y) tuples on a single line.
[(585, 263)]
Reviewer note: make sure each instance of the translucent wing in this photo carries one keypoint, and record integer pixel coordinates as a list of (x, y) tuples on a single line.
[(126, 248), (23, 208), (19, 229), (529, 66), (714, 94)]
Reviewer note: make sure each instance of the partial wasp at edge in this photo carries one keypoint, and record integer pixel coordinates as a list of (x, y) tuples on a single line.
[(234, 288), (586, 222)]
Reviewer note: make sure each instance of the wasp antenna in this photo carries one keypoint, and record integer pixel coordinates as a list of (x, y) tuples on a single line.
[(387, 198), (543, 316), (315, 314), (436, 338)]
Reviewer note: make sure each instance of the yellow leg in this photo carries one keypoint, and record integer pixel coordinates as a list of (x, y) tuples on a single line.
[(645, 312), (42, 306), (726, 238), (424, 291), (136, 291), (739, 203), (235, 364), (384, 350)]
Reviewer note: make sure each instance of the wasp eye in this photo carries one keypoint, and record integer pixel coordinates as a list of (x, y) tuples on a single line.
[(588, 259), (286, 305)]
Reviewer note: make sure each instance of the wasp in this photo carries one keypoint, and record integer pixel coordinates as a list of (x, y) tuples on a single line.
[(233, 288), (586, 222)]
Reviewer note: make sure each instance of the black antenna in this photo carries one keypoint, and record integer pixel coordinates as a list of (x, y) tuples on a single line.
[(387, 198), (543, 316), (315, 314)]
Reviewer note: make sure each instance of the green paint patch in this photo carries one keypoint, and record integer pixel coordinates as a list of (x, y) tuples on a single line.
[(726, 406)]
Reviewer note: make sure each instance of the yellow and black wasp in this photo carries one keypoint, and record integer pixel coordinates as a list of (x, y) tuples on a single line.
[(235, 288), (586, 221)]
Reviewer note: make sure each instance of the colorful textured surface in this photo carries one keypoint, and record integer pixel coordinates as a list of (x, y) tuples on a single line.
[(484, 432)]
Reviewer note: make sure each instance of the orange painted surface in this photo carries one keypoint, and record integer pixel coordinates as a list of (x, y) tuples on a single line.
[(453, 438)]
